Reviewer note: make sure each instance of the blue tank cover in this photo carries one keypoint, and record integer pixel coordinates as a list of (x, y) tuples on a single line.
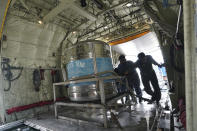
[(85, 67)]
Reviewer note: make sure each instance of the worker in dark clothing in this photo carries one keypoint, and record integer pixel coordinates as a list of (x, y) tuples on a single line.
[(144, 63), (127, 68)]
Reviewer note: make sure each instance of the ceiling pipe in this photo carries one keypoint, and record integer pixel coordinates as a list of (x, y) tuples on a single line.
[(113, 30), (108, 25), (88, 25)]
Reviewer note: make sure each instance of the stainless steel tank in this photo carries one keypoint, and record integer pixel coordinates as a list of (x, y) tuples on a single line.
[(80, 63)]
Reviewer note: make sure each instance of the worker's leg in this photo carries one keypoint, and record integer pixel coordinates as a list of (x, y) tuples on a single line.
[(146, 84), (136, 85), (129, 90), (138, 91), (154, 82), (131, 80)]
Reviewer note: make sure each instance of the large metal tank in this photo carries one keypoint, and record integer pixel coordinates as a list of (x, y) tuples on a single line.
[(80, 63)]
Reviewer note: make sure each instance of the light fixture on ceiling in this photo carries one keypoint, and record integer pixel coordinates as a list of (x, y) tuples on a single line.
[(40, 22), (128, 4), (105, 27), (74, 32)]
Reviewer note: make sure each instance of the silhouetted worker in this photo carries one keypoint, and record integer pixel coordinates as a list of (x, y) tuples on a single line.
[(144, 63), (127, 68)]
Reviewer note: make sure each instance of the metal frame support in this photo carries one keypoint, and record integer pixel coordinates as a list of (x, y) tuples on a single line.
[(54, 98), (2, 110), (103, 102), (104, 105), (64, 73), (102, 92), (94, 59), (190, 52), (111, 54), (79, 121)]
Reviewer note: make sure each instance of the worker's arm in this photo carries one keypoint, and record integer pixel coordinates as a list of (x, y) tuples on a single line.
[(116, 70), (154, 62), (136, 64), (119, 70), (123, 69)]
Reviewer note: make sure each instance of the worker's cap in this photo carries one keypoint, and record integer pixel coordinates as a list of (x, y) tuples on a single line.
[(121, 57), (141, 55)]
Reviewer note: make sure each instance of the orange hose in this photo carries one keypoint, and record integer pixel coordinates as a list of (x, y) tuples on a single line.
[(128, 38)]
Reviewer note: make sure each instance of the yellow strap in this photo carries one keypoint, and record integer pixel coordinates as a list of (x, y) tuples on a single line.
[(4, 18)]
